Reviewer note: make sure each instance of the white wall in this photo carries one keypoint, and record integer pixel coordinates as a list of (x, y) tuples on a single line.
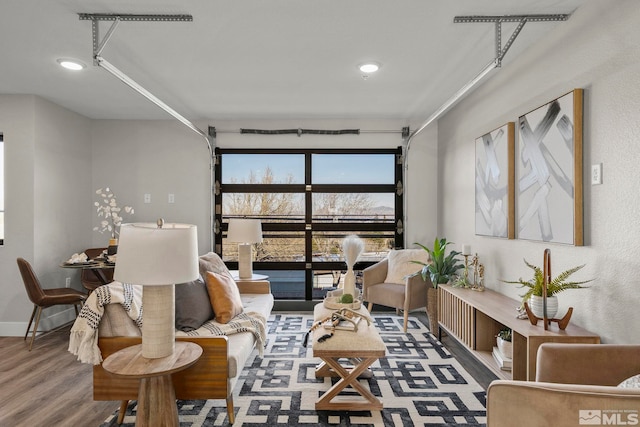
[(162, 157), (598, 49), (47, 171)]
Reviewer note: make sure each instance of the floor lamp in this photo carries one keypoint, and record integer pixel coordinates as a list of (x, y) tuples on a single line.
[(245, 232), (157, 256)]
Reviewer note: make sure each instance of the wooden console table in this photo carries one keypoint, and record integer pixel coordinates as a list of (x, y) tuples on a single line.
[(475, 318)]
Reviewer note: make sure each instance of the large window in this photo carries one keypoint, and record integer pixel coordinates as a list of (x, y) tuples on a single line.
[(1, 189), (308, 201)]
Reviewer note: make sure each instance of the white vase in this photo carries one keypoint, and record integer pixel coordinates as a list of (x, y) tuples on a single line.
[(536, 306), (350, 282), (505, 348)]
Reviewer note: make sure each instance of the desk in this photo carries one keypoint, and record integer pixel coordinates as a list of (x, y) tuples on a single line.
[(361, 348), (156, 395)]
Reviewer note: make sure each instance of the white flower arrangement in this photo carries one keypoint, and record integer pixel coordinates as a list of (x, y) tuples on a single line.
[(110, 211)]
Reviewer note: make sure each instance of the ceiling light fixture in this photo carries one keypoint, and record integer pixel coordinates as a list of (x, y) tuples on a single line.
[(71, 64), (369, 67)]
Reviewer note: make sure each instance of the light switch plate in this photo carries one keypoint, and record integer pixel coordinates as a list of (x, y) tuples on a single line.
[(171, 198), (147, 198), (596, 174)]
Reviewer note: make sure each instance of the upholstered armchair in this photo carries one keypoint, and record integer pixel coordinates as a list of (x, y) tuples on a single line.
[(389, 282), (575, 384)]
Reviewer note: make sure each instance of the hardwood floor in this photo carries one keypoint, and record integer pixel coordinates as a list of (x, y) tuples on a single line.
[(49, 387)]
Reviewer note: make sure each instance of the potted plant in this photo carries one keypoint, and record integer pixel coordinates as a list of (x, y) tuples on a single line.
[(440, 269), (535, 286), (503, 340)]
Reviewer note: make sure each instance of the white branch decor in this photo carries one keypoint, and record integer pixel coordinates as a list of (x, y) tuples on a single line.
[(352, 247), (110, 211)]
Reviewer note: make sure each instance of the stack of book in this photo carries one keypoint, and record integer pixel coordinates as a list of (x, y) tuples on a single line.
[(503, 362)]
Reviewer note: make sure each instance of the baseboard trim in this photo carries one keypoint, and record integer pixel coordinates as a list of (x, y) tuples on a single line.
[(18, 329)]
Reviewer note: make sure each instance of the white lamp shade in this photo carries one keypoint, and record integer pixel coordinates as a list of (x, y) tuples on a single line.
[(244, 230), (148, 255)]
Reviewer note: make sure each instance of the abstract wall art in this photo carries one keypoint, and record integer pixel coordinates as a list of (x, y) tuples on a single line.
[(494, 183), (549, 169)]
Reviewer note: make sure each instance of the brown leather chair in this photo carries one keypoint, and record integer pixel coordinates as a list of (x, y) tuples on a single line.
[(89, 278), (43, 298)]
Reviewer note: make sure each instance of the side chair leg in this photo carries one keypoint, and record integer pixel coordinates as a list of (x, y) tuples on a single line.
[(230, 412), (33, 313), (35, 328), (370, 307), (123, 411), (406, 320)]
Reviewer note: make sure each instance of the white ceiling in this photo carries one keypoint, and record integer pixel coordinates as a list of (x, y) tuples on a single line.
[(260, 59)]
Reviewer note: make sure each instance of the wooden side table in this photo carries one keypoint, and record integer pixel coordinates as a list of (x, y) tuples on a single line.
[(156, 396)]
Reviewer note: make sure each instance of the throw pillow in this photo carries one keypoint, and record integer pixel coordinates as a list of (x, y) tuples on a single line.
[(212, 262), (224, 295), (400, 264), (193, 307)]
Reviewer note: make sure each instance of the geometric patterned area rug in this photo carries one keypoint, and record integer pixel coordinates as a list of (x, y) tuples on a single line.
[(419, 382)]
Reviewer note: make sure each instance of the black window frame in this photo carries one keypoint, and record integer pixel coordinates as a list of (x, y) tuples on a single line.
[(309, 226)]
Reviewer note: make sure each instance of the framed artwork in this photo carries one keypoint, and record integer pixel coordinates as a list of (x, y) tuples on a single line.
[(494, 183), (550, 172)]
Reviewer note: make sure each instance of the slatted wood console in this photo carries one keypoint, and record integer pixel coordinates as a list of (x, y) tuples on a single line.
[(474, 319)]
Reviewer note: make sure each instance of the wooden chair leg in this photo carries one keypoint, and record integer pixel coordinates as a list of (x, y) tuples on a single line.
[(33, 313), (123, 411), (406, 320), (370, 307), (230, 412), (35, 328)]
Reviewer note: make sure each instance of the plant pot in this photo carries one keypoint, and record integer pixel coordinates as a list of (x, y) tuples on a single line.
[(505, 348), (432, 309), (536, 306)]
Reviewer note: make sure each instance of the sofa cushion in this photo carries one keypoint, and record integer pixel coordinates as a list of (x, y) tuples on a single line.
[(400, 264), (212, 262), (224, 296), (193, 306)]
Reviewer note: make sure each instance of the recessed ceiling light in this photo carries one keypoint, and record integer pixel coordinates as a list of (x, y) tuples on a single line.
[(71, 64), (369, 67)]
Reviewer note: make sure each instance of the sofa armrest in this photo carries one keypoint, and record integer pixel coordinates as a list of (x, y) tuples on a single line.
[(254, 286), (597, 364), (526, 403)]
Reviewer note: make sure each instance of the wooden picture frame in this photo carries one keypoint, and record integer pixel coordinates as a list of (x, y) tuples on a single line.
[(550, 187), (495, 183)]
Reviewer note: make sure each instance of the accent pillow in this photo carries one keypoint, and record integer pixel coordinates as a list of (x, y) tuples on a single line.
[(193, 307), (224, 295), (400, 264), (212, 262)]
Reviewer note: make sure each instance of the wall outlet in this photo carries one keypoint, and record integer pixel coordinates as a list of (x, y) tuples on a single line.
[(67, 282), (172, 198), (147, 198), (596, 174)]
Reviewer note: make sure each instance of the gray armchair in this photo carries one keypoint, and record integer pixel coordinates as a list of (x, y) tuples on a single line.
[(406, 294)]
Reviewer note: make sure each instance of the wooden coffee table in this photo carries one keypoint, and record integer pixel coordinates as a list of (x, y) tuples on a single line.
[(156, 396), (348, 355)]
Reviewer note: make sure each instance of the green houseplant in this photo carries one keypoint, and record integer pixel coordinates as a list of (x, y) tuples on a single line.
[(441, 268), (557, 284)]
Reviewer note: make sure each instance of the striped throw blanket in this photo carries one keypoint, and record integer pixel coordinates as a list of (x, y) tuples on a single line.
[(83, 341)]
